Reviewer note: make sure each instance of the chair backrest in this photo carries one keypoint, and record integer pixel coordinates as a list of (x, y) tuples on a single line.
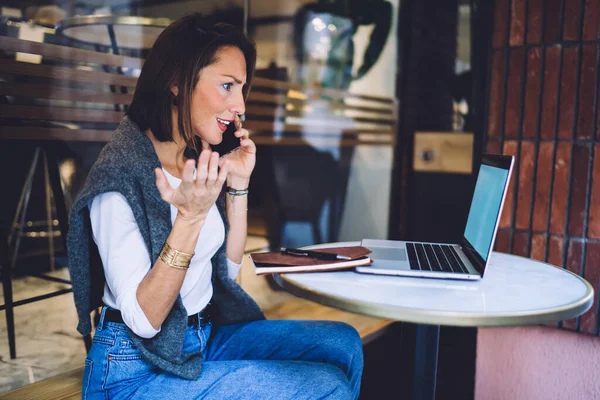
[(73, 94), (304, 179)]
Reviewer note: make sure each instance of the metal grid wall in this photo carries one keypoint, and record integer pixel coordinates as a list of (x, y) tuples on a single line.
[(543, 109)]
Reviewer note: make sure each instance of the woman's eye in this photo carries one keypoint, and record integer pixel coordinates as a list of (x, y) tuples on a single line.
[(227, 86)]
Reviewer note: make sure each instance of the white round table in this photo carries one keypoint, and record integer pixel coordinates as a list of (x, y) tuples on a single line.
[(514, 291)]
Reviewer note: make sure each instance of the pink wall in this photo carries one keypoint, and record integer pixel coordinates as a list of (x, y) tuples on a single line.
[(532, 363)]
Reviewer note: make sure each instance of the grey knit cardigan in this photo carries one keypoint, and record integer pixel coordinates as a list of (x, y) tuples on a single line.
[(126, 165)]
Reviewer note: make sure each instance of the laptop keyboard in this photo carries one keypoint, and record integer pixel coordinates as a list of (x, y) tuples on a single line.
[(434, 257)]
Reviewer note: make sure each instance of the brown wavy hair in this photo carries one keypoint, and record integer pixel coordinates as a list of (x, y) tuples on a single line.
[(180, 52)]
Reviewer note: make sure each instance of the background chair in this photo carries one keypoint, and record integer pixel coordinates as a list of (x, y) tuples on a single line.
[(305, 181)]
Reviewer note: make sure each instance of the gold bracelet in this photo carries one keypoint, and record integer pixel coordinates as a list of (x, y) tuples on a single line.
[(175, 258)]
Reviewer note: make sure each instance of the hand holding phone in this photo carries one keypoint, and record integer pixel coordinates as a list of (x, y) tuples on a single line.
[(242, 155), (230, 142)]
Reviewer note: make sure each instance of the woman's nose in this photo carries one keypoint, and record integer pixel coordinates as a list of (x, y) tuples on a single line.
[(239, 106)]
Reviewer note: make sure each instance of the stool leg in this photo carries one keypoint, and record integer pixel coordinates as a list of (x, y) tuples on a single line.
[(24, 194), (19, 219), (57, 191), (6, 272), (49, 219), (7, 262)]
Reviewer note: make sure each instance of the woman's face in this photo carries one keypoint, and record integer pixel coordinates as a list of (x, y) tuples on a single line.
[(218, 97)]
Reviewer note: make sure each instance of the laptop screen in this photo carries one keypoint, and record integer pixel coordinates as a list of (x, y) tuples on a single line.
[(485, 208)]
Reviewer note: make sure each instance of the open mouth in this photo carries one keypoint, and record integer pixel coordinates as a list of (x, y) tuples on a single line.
[(223, 123)]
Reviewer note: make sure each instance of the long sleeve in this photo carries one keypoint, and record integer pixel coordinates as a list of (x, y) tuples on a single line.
[(124, 256)]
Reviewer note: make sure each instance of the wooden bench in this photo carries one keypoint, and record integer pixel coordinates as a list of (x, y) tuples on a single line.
[(67, 386)]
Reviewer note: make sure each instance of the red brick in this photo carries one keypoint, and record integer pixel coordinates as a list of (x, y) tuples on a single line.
[(552, 33), (510, 148), (594, 218), (587, 89), (591, 20), (502, 241), (534, 22), (521, 240), (574, 256), (592, 275), (571, 20), (579, 180), (493, 147), (532, 92), (560, 188), (568, 83), (517, 22), (542, 187), (524, 194), (597, 137), (496, 94), (513, 93), (550, 92), (556, 245), (538, 246), (500, 21)]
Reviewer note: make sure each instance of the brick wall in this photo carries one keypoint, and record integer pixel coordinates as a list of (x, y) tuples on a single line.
[(543, 109)]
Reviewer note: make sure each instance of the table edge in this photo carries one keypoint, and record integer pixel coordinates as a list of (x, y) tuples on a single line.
[(110, 19), (107, 19), (432, 317)]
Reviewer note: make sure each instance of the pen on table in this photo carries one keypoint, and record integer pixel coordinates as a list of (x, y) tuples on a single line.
[(313, 254)]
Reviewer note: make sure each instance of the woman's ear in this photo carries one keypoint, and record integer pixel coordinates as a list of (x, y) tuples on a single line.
[(175, 91)]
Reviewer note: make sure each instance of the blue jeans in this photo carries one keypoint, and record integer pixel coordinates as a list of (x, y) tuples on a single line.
[(253, 360)]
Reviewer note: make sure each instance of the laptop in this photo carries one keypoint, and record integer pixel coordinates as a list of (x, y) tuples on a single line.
[(466, 260)]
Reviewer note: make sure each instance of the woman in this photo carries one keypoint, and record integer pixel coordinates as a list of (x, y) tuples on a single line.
[(170, 234)]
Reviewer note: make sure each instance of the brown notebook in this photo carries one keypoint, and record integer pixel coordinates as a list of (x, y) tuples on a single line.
[(276, 262)]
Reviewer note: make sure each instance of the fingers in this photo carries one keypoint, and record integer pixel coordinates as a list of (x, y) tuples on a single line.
[(248, 145), (213, 169), (207, 174), (188, 174), (244, 136), (164, 188), (242, 133), (239, 132), (202, 168)]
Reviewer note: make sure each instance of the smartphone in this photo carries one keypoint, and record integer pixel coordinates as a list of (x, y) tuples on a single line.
[(230, 141)]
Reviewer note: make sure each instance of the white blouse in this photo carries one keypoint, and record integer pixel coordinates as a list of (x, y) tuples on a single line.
[(126, 261)]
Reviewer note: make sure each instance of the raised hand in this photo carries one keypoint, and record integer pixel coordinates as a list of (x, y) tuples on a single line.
[(243, 159), (195, 196)]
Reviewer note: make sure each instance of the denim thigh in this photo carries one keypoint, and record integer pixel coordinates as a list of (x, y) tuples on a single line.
[(326, 342), (114, 367), (298, 360)]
